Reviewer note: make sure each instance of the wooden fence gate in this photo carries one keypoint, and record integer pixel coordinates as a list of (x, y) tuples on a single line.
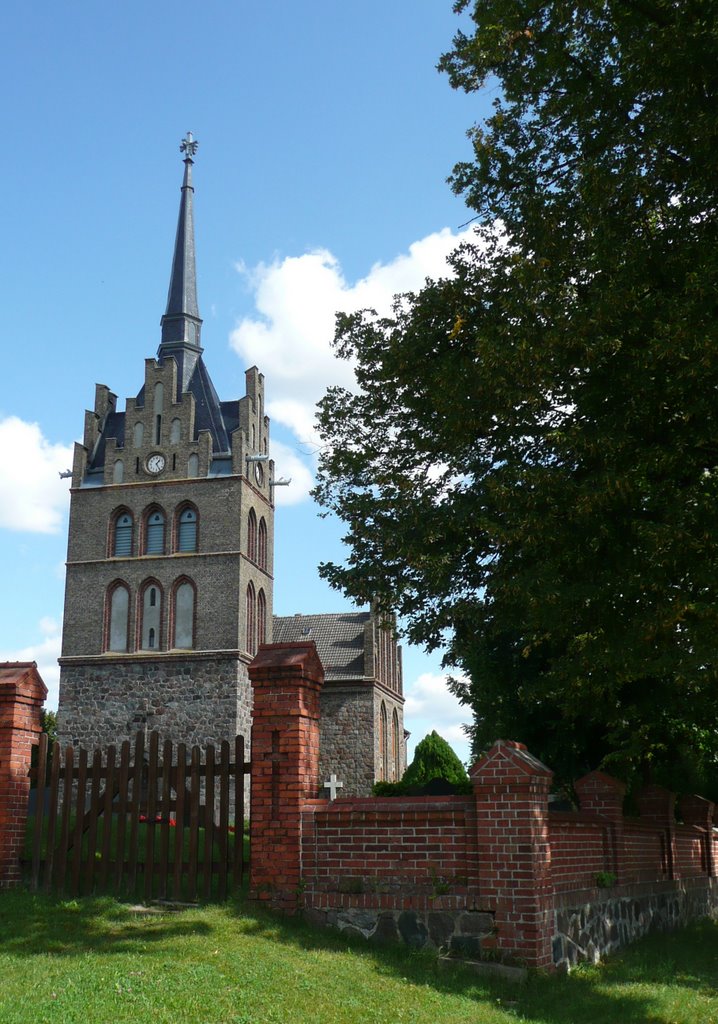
[(167, 826)]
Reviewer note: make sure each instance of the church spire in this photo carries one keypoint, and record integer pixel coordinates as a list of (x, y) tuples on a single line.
[(181, 323)]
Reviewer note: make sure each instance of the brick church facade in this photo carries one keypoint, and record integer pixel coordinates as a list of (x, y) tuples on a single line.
[(170, 566)]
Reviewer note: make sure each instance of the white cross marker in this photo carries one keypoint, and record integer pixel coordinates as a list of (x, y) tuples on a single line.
[(333, 785)]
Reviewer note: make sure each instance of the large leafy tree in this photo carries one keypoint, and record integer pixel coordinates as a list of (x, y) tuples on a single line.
[(529, 469)]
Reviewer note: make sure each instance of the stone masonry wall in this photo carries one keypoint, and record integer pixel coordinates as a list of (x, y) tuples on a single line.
[(346, 731), (588, 929), (195, 700)]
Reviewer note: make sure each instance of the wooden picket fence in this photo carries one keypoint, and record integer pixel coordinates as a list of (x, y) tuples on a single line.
[(156, 825)]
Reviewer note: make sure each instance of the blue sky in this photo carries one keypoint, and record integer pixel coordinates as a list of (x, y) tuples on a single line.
[(325, 139)]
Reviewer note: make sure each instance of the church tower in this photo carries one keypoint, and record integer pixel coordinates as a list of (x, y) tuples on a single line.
[(170, 552)]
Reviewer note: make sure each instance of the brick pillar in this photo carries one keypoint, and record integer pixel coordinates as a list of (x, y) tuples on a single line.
[(511, 791), (603, 795), (286, 680), (657, 806), (22, 694), (697, 811)]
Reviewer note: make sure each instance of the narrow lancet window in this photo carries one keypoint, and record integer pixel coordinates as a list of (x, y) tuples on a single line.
[(151, 616), (155, 534), (122, 547), (184, 616), (118, 618), (187, 532)]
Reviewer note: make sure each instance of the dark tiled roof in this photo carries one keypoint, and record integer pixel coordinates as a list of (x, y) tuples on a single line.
[(114, 427), (208, 411), (339, 639)]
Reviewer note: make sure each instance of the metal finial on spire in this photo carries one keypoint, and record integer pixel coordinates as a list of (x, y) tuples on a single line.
[(189, 146)]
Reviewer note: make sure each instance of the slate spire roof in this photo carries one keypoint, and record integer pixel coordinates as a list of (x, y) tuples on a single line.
[(181, 323)]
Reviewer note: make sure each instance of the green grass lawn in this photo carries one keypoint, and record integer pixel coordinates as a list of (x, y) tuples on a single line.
[(101, 962)]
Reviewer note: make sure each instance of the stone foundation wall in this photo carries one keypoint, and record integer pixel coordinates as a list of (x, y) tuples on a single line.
[(197, 700), (586, 930), (460, 932)]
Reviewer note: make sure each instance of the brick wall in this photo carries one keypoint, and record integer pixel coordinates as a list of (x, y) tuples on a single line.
[(22, 694), (407, 850), (495, 873)]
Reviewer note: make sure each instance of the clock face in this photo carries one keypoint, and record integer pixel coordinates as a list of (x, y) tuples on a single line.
[(258, 472), (155, 463)]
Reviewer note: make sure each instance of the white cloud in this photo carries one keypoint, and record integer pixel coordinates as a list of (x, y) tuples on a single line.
[(33, 498), (288, 465), (45, 652), (296, 300), (430, 705)]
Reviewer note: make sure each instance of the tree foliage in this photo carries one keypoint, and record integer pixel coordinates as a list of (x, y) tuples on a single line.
[(529, 469), (48, 721), (434, 760)]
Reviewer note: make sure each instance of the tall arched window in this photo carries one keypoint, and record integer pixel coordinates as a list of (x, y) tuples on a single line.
[(151, 616), (122, 540), (118, 611), (395, 747), (183, 615), (155, 536), (252, 535), (261, 618), (193, 465), (175, 431), (251, 619), (118, 471), (187, 530), (138, 435), (262, 545), (383, 752)]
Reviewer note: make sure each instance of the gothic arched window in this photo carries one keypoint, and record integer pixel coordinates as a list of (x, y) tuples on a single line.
[(262, 545), (395, 746), (252, 535), (261, 618), (175, 431), (155, 533), (183, 615), (117, 617), (251, 617), (187, 530), (383, 752), (122, 535), (193, 465), (151, 605)]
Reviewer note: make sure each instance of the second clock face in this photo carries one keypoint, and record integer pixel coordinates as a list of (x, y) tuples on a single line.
[(258, 472), (155, 463)]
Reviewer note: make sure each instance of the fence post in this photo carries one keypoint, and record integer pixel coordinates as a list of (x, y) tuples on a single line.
[(511, 791), (22, 694), (286, 681), (657, 806), (603, 795)]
